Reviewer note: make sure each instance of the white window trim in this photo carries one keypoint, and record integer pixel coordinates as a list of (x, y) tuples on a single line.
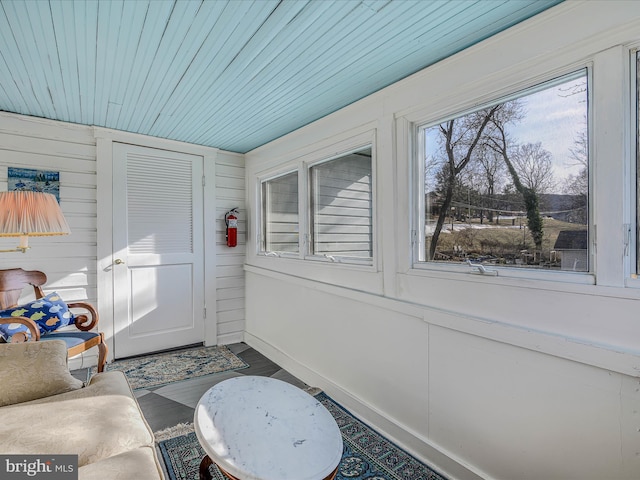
[(419, 122), (343, 259), (632, 272), (612, 153), (302, 163), (260, 214)]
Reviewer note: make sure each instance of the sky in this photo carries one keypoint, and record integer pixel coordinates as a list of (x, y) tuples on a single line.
[(554, 116)]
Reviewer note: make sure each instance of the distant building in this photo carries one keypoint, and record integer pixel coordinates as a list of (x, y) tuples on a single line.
[(572, 246)]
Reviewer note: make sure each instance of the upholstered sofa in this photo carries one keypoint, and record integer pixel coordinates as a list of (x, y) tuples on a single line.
[(44, 410)]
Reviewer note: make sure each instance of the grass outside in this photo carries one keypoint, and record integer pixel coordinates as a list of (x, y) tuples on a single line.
[(507, 242)]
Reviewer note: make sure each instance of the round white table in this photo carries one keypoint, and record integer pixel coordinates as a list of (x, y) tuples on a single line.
[(260, 428)]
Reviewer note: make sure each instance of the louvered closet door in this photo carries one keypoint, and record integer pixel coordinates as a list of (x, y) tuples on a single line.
[(158, 237)]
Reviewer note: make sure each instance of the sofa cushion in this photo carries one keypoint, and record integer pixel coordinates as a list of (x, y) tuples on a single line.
[(141, 463), (33, 370), (95, 422), (49, 312)]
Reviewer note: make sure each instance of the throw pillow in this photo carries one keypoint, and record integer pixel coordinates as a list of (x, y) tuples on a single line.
[(33, 370), (49, 312)]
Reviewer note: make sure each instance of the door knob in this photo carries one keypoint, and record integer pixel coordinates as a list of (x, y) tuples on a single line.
[(119, 261)]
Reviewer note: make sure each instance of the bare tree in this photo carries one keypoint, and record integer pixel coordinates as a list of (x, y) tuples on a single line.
[(500, 143), (578, 185), (534, 167), (492, 170), (579, 154), (460, 138)]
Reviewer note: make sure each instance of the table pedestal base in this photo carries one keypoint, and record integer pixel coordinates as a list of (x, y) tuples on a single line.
[(206, 462)]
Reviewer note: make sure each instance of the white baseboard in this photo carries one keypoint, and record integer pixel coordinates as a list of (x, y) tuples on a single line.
[(418, 446), (230, 338)]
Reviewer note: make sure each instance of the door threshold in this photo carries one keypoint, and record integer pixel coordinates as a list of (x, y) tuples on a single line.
[(166, 350)]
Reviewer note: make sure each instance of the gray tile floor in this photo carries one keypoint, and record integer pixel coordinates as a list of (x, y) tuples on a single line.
[(175, 403), (172, 404)]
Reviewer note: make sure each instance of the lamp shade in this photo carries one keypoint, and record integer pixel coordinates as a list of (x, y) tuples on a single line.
[(31, 214)]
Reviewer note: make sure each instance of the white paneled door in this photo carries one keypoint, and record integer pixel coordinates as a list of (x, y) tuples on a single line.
[(158, 249)]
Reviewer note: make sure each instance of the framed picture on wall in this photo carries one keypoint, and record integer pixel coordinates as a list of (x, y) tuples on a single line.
[(34, 181)]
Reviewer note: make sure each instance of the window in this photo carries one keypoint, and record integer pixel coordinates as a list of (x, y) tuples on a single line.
[(508, 184), (341, 207), (280, 214), (335, 199)]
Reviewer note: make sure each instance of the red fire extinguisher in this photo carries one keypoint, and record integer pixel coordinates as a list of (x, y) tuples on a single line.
[(231, 220)]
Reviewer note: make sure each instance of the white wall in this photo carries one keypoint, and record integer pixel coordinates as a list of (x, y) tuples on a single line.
[(70, 262), (230, 193), (508, 377)]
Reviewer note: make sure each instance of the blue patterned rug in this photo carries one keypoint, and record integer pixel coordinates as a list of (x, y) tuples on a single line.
[(367, 454), (162, 368)]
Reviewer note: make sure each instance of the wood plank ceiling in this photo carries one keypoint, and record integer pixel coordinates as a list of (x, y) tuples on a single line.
[(232, 74)]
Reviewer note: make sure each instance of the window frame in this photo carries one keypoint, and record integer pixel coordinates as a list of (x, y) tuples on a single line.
[(302, 164), (418, 124), (261, 217), (309, 231), (632, 169)]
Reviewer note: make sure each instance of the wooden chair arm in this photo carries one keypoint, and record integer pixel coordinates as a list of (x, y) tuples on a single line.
[(21, 337), (83, 321)]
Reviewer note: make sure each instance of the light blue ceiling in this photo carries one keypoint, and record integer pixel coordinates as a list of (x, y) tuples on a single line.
[(232, 74)]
